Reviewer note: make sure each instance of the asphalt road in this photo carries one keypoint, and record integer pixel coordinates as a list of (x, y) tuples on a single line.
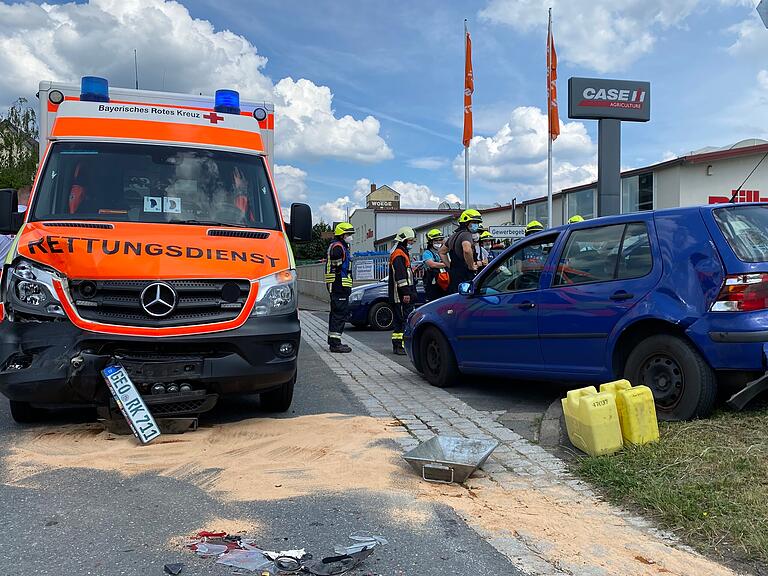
[(88, 522)]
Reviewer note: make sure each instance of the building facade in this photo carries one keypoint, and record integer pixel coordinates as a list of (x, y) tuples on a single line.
[(707, 176)]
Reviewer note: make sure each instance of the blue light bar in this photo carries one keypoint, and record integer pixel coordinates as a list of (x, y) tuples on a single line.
[(227, 102), (94, 89)]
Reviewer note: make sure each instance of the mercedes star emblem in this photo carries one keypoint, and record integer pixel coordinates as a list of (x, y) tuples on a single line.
[(158, 299)]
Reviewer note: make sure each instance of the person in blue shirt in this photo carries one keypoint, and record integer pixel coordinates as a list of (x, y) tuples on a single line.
[(433, 265)]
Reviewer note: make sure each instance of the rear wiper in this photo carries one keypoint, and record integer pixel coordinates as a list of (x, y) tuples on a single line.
[(205, 223)]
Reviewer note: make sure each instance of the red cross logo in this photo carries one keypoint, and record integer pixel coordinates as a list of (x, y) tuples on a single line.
[(213, 117)]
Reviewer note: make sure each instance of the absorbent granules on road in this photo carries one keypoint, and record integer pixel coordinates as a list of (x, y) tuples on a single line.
[(271, 459), (574, 533), (257, 459)]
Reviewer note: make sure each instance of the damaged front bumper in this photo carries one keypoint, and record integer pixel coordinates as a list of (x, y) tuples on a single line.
[(57, 364)]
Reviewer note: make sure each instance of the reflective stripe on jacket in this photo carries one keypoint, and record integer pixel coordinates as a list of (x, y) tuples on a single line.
[(338, 271)]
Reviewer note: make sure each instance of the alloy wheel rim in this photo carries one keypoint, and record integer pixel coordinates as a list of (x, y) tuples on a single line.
[(433, 357), (387, 317)]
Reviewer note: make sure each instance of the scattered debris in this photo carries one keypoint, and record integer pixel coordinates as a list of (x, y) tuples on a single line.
[(173, 569), (242, 553)]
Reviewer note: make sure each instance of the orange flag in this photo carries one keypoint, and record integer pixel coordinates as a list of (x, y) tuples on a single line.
[(552, 112), (469, 88)]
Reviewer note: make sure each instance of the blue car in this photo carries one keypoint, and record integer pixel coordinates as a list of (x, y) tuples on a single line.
[(674, 299), (369, 305)]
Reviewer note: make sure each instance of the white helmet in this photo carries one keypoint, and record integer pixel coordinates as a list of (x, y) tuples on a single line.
[(405, 233)]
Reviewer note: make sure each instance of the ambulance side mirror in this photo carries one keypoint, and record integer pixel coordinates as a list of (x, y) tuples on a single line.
[(10, 219), (300, 228)]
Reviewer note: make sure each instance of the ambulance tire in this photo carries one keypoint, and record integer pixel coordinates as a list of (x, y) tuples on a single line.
[(278, 400), (438, 363), (25, 413)]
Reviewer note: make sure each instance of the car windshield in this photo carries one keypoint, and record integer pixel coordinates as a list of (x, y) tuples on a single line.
[(746, 230), (150, 183)]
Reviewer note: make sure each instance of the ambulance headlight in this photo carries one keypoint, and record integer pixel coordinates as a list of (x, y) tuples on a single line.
[(29, 290), (56, 97), (276, 295)]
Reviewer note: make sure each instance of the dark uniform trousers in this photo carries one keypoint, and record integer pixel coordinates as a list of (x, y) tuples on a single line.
[(338, 317)]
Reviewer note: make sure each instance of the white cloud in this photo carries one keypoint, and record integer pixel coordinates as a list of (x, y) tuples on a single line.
[(291, 184), (762, 80), (177, 53), (428, 163), (335, 211), (515, 158), (603, 35), (308, 128), (362, 189), (419, 195)]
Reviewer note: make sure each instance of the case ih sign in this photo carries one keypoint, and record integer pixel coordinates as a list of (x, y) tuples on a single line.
[(741, 196), (596, 98)]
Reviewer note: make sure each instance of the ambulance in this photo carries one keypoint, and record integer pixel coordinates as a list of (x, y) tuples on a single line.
[(153, 240)]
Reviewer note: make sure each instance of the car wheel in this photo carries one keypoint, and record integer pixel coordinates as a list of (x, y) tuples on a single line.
[(438, 363), (25, 413), (278, 400), (381, 316), (683, 384)]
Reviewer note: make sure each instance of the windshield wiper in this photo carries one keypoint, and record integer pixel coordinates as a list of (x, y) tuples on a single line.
[(205, 223)]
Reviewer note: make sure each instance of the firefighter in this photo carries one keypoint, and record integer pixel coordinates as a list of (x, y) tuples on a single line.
[(402, 288), (574, 219), (483, 251), (338, 279), (533, 227), (433, 266), (458, 252)]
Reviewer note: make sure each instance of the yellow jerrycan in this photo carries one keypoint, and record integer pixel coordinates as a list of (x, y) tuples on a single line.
[(592, 421), (637, 411)]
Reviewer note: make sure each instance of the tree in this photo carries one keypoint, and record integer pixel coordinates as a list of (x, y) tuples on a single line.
[(18, 145), (314, 249)]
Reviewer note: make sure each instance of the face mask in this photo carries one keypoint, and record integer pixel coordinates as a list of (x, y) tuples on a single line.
[(408, 245), (348, 239), (437, 245), (475, 236), (474, 227)]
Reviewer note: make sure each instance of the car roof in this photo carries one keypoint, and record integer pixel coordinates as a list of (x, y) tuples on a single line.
[(633, 216)]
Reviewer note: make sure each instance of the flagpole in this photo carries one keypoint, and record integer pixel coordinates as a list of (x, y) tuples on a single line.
[(466, 147), (549, 122)]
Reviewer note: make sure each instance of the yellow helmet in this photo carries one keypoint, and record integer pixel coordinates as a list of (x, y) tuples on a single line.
[(343, 228), (435, 234), (470, 215), (575, 219), (486, 236), (533, 227), (405, 233)]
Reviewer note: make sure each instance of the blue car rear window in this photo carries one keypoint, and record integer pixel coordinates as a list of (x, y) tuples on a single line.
[(746, 230)]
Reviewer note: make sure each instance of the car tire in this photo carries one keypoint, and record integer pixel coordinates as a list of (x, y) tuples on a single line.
[(278, 400), (25, 413), (438, 363), (381, 316), (683, 384)]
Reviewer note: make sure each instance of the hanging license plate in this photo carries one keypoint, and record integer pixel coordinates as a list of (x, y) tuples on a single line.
[(131, 403)]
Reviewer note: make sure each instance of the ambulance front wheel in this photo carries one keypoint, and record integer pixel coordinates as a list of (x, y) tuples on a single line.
[(278, 400), (25, 413)]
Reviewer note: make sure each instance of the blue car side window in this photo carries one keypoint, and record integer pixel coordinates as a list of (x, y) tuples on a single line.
[(519, 270)]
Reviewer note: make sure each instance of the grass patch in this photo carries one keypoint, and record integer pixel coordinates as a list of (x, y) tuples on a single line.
[(707, 480)]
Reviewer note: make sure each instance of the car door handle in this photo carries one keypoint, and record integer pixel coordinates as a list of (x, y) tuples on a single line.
[(526, 305), (621, 295)]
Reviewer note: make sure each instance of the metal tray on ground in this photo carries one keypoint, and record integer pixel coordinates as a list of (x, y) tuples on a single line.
[(447, 459)]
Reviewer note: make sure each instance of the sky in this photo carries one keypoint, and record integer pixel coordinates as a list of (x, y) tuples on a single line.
[(369, 91)]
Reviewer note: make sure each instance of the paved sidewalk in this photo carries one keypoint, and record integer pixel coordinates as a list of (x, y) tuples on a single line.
[(388, 389)]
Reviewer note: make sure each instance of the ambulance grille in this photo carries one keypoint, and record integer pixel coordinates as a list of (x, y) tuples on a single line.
[(239, 234), (197, 301), (79, 225)]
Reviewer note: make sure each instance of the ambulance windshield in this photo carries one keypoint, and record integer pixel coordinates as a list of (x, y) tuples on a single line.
[(148, 183)]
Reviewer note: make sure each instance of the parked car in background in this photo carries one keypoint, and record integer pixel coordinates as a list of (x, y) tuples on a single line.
[(673, 299), (369, 305)]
